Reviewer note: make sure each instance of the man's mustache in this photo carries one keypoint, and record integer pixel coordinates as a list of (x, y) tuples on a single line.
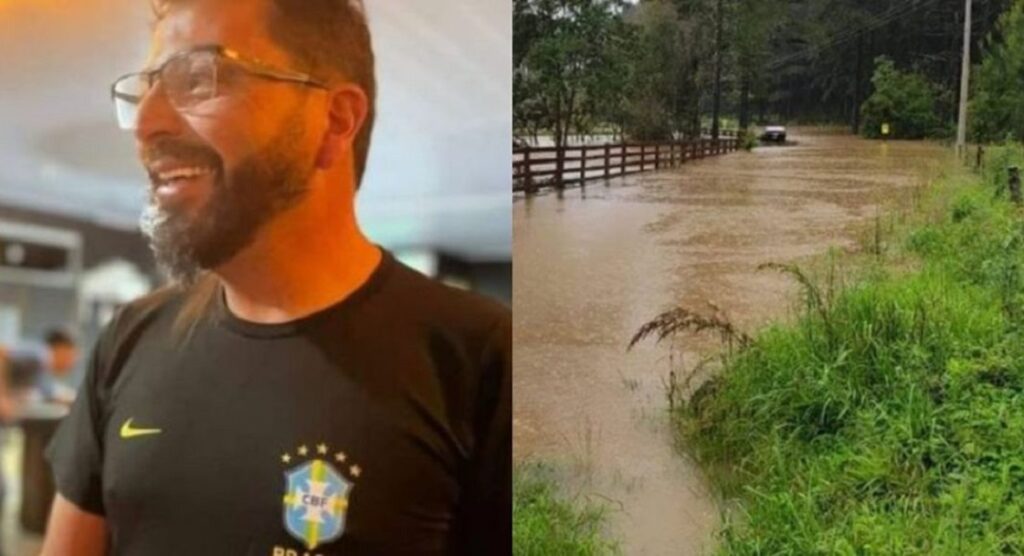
[(183, 151)]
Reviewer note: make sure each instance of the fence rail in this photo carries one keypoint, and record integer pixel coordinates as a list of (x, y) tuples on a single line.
[(536, 167)]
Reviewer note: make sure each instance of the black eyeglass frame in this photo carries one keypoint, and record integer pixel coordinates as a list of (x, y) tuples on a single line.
[(252, 66)]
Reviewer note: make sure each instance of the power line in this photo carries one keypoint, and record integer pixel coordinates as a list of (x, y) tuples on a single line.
[(884, 19), (888, 17)]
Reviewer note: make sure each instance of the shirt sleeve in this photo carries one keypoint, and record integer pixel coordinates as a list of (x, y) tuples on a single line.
[(76, 451), (484, 522)]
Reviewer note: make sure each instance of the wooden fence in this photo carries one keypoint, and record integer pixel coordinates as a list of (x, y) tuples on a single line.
[(536, 167)]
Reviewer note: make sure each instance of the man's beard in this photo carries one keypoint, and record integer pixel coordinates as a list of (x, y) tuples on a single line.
[(187, 241)]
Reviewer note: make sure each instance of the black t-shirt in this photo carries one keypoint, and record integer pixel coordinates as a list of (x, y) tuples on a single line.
[(380, 425)]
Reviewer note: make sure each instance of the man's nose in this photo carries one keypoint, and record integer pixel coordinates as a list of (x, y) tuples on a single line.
[(156, 116)]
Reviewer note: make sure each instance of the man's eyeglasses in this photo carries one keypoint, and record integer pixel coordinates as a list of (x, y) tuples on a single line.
[(192, 77)]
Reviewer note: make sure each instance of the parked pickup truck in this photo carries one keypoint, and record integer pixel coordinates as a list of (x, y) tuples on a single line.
[(775, 133)]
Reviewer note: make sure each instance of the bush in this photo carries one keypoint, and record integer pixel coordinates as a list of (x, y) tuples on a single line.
[(997, 161), (747, 139), (544, 522), (906, 101)]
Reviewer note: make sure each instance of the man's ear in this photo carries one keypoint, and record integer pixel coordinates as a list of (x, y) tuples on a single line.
[(347, 110)]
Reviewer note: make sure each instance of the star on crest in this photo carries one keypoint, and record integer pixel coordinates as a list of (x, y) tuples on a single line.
[(286, 458), (321, 449), (355, 470), (303, 450), (340, 457)]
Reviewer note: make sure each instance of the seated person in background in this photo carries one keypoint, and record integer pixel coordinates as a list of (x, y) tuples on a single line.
[(11, 397), (36, 370), (30, 373), (62, 358)]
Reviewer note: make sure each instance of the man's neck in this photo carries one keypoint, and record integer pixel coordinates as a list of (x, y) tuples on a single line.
[(296, 269)]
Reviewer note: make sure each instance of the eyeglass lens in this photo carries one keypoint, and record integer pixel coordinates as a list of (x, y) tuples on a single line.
[(187, 80)]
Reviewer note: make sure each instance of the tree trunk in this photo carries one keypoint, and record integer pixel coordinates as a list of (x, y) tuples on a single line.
[(695, 122), (745, 102), (559, 143), (857, 79)]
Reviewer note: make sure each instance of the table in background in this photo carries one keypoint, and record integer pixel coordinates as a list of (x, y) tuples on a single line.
[(38, 422)]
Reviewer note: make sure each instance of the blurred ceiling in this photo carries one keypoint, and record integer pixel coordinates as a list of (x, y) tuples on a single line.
[(439, 166)]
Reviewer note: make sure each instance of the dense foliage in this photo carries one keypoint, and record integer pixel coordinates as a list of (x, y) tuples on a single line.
[(998, 105), (569, 64), (654, 68)]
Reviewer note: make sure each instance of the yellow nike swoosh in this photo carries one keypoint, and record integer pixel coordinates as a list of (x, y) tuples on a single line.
[(127, 431)]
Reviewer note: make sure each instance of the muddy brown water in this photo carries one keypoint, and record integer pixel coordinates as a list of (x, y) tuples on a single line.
[(592, 265)]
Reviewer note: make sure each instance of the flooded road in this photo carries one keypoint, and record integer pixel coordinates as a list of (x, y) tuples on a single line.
[(592, 267)]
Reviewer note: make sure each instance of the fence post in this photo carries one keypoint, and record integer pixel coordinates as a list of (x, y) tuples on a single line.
[(528, 170), (643, 155), (559, 165), (622, 159), (607, 159), (1015, 194), (583, 164), (657, 156)]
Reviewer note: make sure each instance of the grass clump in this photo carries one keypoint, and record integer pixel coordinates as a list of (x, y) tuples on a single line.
[(546, 522), (889, 418)]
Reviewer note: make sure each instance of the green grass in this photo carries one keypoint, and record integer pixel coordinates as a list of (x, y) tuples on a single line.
[(547, 522), (889, 418)]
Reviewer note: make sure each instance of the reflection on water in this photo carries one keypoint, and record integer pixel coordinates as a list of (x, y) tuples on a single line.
[(592, 265)]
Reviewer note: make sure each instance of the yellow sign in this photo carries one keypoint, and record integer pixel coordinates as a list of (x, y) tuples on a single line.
[(885, 130)]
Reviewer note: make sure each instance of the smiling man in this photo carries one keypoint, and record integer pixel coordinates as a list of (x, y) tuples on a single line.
[(297, 391)]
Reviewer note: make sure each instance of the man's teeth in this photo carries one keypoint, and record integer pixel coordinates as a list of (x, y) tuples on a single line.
[(183, 173)]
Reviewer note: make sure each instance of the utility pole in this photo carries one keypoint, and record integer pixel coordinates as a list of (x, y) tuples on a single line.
[(718, 74), (965, 78)]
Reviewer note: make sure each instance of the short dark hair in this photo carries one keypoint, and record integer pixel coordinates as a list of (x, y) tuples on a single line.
[(331, 38), (58, 337)]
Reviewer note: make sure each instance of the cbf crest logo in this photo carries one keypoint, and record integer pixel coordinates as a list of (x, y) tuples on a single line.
[(316, 496)]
